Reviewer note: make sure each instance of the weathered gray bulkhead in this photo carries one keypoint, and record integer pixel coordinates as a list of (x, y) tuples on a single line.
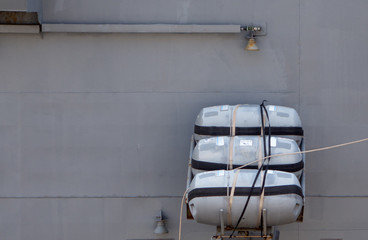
[(95, 128)]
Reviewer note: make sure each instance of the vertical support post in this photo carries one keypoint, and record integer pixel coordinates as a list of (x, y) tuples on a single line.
[(264, 214), (222, 222), (189, 175)]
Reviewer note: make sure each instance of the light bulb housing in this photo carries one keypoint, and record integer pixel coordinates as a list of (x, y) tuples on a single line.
[(160, 227), (252, 46)]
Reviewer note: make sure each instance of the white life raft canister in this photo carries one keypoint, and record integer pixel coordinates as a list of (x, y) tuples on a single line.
[(217, 121), (208, 197), (214, 154)]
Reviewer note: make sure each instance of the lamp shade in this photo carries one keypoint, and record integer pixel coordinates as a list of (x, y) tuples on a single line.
[(160, 228), (251, 46)]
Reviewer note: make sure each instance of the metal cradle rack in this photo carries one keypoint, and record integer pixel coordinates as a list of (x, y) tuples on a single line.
[(223, 232)]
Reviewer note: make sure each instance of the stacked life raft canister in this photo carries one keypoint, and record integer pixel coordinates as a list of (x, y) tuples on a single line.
[(227, 185)]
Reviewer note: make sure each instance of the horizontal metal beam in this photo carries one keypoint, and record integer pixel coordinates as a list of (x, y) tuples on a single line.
[(19, 28), (140, 28)]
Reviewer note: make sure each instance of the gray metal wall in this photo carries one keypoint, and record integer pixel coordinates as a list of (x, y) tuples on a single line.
[(95, 128), (13, 5)]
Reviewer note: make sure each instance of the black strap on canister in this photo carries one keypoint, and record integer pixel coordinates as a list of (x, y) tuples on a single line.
[(266, 154), (259, 170)]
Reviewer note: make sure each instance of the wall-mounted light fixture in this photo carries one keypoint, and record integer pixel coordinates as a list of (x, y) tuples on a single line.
[(251, 46), (161, 227)]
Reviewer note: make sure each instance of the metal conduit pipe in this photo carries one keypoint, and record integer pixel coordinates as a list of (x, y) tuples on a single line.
[(140, 28)]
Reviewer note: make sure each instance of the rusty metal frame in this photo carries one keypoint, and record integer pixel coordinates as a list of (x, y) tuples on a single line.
[(265, 237), (243, 233), (19, 18)]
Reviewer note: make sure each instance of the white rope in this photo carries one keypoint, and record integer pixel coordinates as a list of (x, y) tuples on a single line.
[(181, 213), (306, 151)]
